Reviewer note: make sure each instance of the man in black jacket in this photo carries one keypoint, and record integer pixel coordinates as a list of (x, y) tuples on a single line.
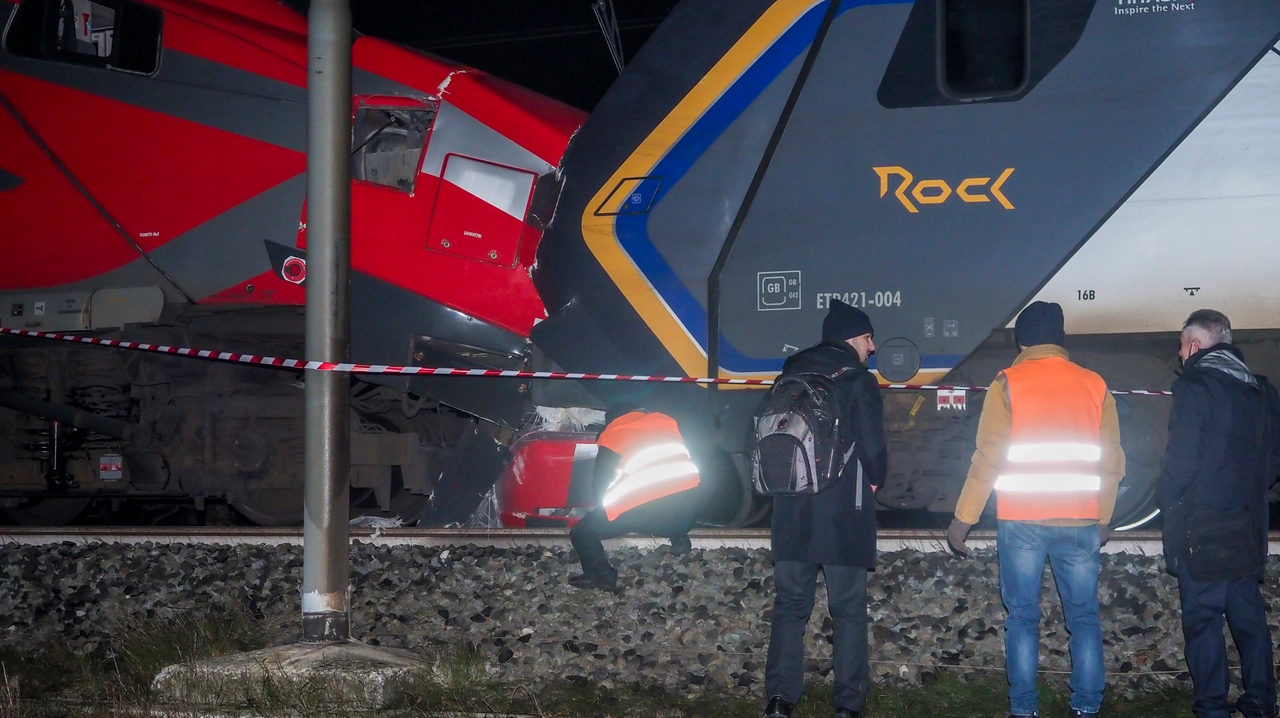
[(833, 531), (1224, 435)]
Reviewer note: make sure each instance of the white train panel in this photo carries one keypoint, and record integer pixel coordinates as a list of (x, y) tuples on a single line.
[(1202, 231)]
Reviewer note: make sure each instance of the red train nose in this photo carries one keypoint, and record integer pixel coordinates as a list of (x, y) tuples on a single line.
[(548, 482)]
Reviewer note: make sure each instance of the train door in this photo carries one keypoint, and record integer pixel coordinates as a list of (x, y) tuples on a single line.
[(480, 210)]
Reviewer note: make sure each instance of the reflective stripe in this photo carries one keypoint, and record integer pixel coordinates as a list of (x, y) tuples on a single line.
[(1047, 483), (1051, 469), (1064, 451), (653, 454), (647, 478)]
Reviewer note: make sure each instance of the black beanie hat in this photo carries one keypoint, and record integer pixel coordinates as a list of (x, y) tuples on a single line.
[(619, 409), (1040, 323), (845, 322)]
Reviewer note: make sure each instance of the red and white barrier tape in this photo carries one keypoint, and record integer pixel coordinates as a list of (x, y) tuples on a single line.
[(254, 359)]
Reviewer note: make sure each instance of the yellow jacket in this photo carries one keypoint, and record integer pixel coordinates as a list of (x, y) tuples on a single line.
[(994, 430)]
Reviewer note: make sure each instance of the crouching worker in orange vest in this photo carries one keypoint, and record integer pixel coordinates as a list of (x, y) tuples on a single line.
[(1049, 444), (645, 482)]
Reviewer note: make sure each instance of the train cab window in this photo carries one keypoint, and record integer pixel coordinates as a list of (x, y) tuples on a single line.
[(984, 47), (387, 145), (954, 52), (113, 34)]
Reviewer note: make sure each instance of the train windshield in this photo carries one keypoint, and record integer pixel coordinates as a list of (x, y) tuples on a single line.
[(387, 145)]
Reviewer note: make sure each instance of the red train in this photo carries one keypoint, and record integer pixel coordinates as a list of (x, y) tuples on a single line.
[(152, 178)]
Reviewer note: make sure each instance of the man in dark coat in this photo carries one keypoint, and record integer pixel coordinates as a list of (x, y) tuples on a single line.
[(1224, 435), (833, 531)]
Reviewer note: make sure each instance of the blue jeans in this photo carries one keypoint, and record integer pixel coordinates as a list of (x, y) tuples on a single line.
[(1073, 555)]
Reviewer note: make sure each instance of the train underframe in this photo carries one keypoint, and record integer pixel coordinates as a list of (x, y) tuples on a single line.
[(930, 445), (135, 426), (175, 429)]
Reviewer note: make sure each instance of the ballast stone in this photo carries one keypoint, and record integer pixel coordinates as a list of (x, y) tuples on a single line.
[(688, 624)]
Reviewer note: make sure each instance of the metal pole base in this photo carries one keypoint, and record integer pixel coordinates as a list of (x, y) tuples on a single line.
[(328, 627)]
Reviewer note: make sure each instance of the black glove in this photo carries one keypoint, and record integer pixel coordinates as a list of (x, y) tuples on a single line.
[(1104, 533), (956, 533)]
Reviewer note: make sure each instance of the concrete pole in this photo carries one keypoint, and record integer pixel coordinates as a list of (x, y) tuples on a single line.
[(326, 565)]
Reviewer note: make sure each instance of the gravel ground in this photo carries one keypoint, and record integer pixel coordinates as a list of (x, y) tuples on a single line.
[(698, 622)]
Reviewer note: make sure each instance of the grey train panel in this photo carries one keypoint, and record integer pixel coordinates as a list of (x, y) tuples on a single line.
[(194, 89), (1079, 143), (403, 319), (691, 223), (227, 249)]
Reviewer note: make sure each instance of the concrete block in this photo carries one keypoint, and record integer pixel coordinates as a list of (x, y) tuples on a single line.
[(350, 674)]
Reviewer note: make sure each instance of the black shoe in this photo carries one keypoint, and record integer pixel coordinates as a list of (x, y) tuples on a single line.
[(847, 713), (681, 546), (778, 708), (1081, 714), (1025, 715), (1235, 707), (595, 580)]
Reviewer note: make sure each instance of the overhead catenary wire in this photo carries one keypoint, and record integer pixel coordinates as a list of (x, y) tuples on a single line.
[(608, 21)]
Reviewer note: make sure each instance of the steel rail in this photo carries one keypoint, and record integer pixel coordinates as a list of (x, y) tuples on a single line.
[(1145, 543)]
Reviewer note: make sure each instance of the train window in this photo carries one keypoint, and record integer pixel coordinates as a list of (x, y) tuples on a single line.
[(955, 52), (113, 34), (387, 145), (138, 39), (81, 28), (983, 47), (506, 188)]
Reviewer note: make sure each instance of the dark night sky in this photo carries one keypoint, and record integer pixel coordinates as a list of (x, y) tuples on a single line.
[(552, 46)]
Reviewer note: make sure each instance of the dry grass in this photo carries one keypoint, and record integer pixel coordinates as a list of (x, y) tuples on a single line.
[(51, 682)]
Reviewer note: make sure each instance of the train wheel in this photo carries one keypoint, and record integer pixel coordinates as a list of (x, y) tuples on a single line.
[(731, 501), (1136, 502), (1142, 422), (1136, 519), (272, 507), (48, 512)]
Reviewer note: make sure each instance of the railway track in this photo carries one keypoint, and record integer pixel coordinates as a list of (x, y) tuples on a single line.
[(927, 541)]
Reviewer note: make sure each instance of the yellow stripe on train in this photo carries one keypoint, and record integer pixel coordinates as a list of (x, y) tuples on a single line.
[(598, 231)]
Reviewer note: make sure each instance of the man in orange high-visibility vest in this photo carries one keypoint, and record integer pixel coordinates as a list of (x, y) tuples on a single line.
[(645, 481), (1049, 446)]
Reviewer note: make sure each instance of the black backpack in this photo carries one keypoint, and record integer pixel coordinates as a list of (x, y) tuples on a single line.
[(797, 448)]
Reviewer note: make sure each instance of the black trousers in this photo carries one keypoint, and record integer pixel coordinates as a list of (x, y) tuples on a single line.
[(796, 584), (1204, 603), (670, 516)]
